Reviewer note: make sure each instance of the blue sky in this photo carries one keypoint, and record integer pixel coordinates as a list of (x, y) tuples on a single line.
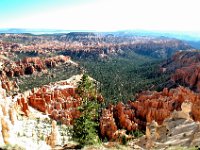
[(101, 15), (11, 9)]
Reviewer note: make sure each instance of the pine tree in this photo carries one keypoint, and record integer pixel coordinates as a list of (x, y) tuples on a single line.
[(86, 87), (84, 129)]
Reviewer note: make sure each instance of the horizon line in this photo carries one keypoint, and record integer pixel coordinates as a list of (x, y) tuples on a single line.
[(88, 30)]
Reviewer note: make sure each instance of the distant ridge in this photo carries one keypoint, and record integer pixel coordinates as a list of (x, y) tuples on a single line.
[(37, 31), (192, 38)]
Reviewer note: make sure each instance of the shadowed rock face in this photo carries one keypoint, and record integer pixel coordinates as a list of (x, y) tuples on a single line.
[(182, 59), (189, 76), (30, 65), (10, 70), (185, 68)]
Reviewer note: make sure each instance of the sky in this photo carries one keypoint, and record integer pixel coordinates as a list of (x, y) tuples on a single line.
[(101, 15)]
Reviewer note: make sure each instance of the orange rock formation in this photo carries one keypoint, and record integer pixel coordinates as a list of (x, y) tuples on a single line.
[(148, 106), (60, 103)]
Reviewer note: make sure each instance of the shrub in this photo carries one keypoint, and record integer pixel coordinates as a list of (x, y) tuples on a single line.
[(124, 140), (137, 133)]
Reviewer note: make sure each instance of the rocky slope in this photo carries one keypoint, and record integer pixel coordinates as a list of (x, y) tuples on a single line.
[(24, 127), (184, 66), (172, 117), (168, 117), (178, 129)]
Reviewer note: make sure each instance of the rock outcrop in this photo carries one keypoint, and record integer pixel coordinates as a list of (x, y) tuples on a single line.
[(5, 130), (53, 139), (30, 65), (107, 125), (58, 101), (188, 76), (184, 66), (177, 130), (9, 108), (8, 85), (12, 115), (23, 105), (150, 107)]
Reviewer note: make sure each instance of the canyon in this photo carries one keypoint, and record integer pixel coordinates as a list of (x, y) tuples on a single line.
[(40, 116)]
